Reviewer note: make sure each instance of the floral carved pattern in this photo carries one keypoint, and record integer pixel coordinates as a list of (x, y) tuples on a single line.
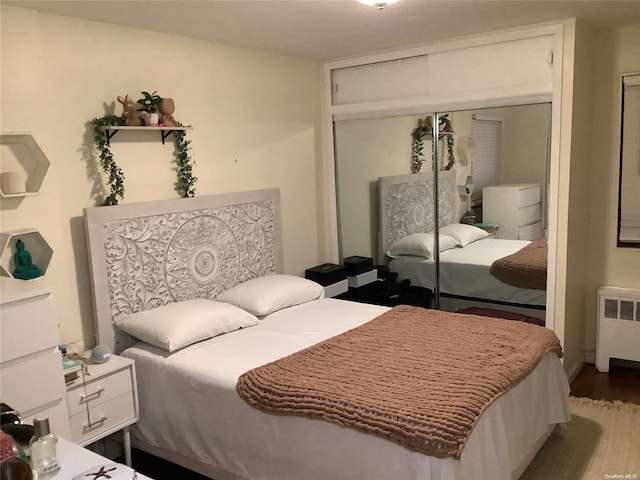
[(159, 259), (409, 207)]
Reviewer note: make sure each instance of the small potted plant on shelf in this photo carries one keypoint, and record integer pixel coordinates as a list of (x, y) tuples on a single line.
[(149, 104)]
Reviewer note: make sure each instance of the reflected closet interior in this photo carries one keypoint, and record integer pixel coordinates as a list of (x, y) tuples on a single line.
[(490, 169)]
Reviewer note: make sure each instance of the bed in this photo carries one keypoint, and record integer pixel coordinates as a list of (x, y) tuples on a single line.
[(151, 256), (406, 209)]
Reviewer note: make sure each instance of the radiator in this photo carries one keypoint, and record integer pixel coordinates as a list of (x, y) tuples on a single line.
[(618, 325)]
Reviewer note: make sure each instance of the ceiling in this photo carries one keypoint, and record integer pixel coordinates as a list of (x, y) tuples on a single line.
[(333, 29)]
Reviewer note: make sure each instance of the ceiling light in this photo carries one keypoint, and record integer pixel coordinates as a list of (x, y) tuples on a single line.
[(379, 4)]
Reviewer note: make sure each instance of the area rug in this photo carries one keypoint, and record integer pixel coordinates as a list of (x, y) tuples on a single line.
[(602, 441)]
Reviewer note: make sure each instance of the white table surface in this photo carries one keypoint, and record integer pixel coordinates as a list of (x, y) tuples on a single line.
[(75, 460)]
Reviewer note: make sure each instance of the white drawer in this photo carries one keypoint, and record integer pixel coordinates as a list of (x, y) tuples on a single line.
[(28, 326), (528, 215), (96, 392), (106, 418), (530, 232), (529, 195), (58, 419), (33, 382)]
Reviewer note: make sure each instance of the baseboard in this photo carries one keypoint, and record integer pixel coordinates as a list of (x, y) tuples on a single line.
[(590, 357), (572, 373)]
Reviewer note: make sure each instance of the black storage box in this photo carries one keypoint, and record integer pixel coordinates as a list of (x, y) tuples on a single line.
[(390, 295), (326, 274), (356, 265)]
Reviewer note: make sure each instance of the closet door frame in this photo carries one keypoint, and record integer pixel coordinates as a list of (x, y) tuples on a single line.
[(549, 92)]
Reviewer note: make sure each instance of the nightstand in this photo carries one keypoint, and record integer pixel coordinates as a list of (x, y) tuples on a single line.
[(104, 400), (490, 228), (390, 293)]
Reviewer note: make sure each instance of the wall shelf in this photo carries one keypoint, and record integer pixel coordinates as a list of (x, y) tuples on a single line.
[(164, 131), (40, 250), (23, 154)]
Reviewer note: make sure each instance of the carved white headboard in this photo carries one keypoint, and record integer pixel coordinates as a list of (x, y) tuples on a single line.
[(406, 205), (145, 255)]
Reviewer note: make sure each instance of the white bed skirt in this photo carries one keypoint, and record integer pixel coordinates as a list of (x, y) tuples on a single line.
[(192, 415), (465, 272)]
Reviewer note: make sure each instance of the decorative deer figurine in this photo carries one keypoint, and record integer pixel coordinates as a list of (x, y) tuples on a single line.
[(130, 116)]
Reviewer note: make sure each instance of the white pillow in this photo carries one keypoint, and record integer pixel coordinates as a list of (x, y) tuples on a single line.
[(464, 234), (264, 295), (420, 245), (178, 324)]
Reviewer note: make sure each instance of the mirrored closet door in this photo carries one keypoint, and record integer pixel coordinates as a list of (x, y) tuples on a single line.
[(490, 170)]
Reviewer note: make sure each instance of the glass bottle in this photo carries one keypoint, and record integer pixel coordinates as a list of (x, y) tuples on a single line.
[(44, 460)]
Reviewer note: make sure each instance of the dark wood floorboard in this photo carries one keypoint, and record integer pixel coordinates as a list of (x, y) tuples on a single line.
[(160, 469), (621, 383)]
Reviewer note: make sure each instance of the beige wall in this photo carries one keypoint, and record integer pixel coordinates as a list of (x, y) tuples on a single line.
[(256, 120), (615, 51), (525, 136), (366, 150), (578, 214)]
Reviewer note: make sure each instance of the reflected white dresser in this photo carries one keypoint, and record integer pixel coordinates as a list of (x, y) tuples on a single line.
[(32, 380), (515, 208)]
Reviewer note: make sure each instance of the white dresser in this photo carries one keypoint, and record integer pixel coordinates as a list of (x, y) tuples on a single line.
[(32, 381), (515, 208)]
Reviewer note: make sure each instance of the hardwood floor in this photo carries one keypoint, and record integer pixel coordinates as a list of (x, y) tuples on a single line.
[(621, 383), (159, 469)]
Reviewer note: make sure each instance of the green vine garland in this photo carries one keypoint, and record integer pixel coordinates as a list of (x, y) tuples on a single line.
[(185, 182), (451, 160), (417, 147), (417, 158), (108, 164)]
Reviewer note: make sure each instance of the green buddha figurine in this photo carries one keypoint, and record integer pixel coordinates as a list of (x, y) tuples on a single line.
[(25, 269)]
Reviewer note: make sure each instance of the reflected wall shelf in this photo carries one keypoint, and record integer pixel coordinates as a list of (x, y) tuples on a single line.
[(429, 135), (25, 155), (164, 131)]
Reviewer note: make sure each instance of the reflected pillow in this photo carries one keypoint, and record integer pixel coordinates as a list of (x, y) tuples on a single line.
[(420, 245), (179, 324), (463, 233), (264, 295)]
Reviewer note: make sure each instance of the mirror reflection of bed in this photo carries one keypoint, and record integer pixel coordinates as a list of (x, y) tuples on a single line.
[(509, 172)]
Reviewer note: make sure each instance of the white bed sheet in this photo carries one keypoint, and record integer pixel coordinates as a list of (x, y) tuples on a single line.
[(189, 405), (465, 272)]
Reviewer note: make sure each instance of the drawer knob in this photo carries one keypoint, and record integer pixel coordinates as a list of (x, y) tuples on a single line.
[(91, 425), (96, 394)]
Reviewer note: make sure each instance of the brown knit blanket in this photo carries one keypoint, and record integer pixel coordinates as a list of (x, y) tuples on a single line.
[(420, 378), (527, 268)]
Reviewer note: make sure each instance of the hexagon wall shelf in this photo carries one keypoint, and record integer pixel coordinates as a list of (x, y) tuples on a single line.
[(34, 243), (21, 153)]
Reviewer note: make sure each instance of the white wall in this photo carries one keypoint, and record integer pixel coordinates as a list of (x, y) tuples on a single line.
[(256, 120), (616, 51)]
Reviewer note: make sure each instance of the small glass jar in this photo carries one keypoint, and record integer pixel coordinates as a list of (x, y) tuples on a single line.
[(44, 459)]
